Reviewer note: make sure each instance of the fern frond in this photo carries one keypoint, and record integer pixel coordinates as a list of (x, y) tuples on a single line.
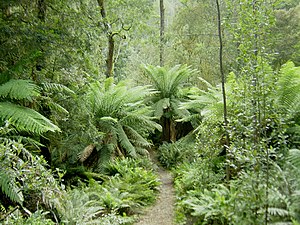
[(278, 211), (288, 95), (179, 112), (9, 188), (19, 89), (142, 121), (283, 223), (124, 141), (25, 119), (294, 157), (54, 87), (160, 106), (57, 107), (142, 151), (135, 137)]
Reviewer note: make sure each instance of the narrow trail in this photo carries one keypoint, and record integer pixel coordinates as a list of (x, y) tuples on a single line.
[(162, 212)]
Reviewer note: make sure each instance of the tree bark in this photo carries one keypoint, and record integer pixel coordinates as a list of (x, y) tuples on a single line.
[(168, 128), (110, 56)]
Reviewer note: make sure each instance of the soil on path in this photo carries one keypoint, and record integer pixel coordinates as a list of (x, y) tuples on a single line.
[(162, 213)]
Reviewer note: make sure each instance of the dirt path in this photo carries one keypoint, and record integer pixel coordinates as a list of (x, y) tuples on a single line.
[(162, 213)]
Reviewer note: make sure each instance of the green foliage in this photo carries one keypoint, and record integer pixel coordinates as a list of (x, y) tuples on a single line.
[(294, 157), (168, 84), (285, 33), (37, 218), (184, 150), (207, 201), (191, 177), (23, 118), (120, 113), (204, 103), (130, 177), (192, 39), (288, 84), (10, 188), (129, 188), (19, 90), (25, 178), (77, 207), (168, 81)]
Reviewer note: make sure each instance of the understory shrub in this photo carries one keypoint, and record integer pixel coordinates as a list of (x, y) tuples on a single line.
[(190, 177), (116, 199), (129, 185), (25, 180), (244, 200), (37, 218), (173, 154), (132, 181)]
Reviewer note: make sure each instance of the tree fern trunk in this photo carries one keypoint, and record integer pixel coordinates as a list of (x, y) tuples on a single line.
[(168, 130)]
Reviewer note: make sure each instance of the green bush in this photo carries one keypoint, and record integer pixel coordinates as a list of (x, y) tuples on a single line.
[(130, 187), (171, 155), (190, 178), (37, 218), (203, 197), (25, 179)]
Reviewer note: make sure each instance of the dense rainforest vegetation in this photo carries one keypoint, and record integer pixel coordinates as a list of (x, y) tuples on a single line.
[(90, 89)]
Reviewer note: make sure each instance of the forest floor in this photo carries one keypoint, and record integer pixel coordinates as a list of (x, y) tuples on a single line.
[(162, 212)]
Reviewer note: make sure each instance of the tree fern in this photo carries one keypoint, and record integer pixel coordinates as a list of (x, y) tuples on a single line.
[(168, 83), (119, 111)]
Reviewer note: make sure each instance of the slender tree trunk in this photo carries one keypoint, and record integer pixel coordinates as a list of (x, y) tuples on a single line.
[(110, 56), (226, 144), (110, 41), (162, 32)]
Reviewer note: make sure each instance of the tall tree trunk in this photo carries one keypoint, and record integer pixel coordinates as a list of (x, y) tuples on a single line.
[(162, 32), (110, 41), (110, 56), (226, 144)]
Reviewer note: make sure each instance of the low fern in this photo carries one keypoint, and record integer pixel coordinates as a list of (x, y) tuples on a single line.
[(9, 188)]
